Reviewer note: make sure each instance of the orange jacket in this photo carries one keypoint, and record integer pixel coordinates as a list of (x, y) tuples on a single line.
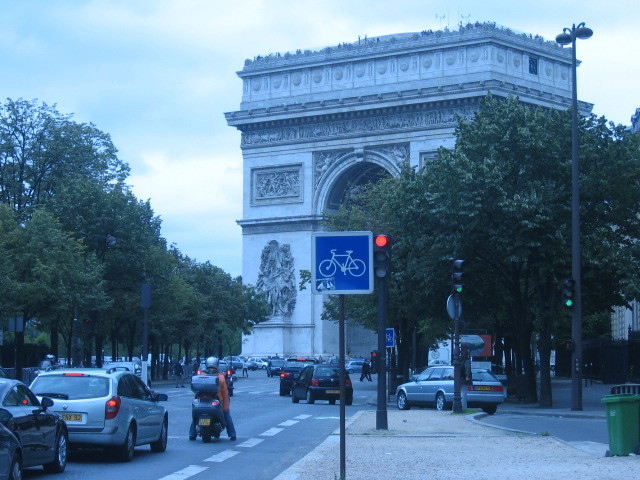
[(223, 392)]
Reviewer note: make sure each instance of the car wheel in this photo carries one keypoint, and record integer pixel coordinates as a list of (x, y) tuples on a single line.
[(440, 401), (490, 410), (294, 399), (283, 391), (403, 404), (349, 401), (310, 399), (15, 472), (127, 449), (60, 461), (332, 402), (160, 445)]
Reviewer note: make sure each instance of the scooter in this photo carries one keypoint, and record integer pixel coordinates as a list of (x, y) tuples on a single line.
[(206, 408)]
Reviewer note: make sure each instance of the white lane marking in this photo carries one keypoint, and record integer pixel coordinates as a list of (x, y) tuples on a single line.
[(302, 417), (271, 432), (252, 442), (256, 393), (190, 471), (222, 456), (288, 423)]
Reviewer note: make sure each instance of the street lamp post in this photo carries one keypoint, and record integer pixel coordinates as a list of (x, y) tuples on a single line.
[(569, 36)]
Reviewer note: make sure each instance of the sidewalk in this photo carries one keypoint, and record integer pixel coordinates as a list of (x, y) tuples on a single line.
[(425, 443)]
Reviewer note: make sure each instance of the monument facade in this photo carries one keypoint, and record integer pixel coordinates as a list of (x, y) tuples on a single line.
[(317, 124)]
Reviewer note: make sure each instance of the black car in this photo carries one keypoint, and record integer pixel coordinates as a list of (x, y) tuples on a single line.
[(10, 455), (274, 367), (291, 368), (320, 382), (42, 433)]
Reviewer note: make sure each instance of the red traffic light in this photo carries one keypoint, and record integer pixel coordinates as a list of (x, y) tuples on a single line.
[(381, 241)]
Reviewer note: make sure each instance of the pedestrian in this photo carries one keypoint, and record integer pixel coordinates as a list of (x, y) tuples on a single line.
[(466, 378), (366, 371), (183, 366), (245, 368), (178, 372), (196, 367)]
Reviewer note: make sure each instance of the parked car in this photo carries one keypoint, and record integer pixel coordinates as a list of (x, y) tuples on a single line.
[(320, 382), (258, 363), (3, 373), (500, 373), (109, 408), (354, 366), (274, 367), (291, 368), (10, 455), (235, 362), (41, 433), (434, 387)]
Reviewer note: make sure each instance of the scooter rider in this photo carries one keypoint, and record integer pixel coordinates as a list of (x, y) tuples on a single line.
[(212, 364)]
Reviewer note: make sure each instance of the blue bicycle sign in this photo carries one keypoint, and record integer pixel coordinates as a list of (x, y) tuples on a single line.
[(352, 266), (341, 262)]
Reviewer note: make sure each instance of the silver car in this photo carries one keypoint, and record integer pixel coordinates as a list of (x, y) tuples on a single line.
[(106, 408), (434, 387)]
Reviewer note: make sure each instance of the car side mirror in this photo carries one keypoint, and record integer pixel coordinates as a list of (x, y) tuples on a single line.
[(159, 397), (46, 403)]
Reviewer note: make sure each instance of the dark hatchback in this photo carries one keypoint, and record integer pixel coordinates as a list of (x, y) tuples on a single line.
[(321, 382), (42, 433), (291, 368)]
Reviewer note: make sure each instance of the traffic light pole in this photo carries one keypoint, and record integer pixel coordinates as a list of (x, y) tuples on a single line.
[(381, 409), (457, 396)]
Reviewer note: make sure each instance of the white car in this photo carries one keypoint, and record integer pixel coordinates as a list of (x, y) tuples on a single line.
[(260, 363)]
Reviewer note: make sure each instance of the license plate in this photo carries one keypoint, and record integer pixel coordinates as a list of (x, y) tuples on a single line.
[(483, 388), (72, 417), (333, 391), (204, 422)]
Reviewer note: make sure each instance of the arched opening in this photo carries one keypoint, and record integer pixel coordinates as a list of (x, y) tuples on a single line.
[(350, 182)]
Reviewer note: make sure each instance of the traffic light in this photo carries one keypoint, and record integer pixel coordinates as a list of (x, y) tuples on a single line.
[(568, 291), (456, 276), (374, 361), (568, 345), (382, 255)]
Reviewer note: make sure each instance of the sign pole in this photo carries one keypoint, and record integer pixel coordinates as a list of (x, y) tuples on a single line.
[(343, 390)]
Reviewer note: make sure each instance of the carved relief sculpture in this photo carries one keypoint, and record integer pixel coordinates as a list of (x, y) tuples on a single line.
[(277, 278)]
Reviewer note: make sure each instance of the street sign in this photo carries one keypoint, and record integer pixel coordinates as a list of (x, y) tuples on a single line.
[(341, 263), (451, 302), (390, 337)]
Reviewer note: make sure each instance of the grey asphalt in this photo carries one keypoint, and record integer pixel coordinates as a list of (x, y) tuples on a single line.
[(425, 443)]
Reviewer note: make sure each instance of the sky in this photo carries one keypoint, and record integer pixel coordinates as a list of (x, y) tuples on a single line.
[(158, 76)]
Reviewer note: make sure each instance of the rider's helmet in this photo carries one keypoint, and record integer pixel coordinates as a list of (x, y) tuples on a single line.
[(51, 358), (212, 362)]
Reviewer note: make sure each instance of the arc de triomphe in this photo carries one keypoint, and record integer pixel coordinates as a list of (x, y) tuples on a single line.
[(316, 124)]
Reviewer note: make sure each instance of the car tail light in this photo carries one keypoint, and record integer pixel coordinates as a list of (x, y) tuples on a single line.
[(112, 408), (284, 375), (229, 372), (215, 402), (69, 374), (314, 382), (348, 382)]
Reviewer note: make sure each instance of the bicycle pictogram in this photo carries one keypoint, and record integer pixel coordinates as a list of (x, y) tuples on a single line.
[(354, 266)]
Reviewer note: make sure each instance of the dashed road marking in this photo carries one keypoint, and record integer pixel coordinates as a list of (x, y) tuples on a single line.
[(222, 456), (288, 423), (252, 442), (190, 471), (302, 417), (271, 432)]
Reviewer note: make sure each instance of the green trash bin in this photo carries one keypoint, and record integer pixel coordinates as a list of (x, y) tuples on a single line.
[(623, 422)]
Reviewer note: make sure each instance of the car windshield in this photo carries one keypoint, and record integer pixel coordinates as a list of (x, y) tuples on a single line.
[(297, 363), (327, 372), (75, 387), (277, 363)]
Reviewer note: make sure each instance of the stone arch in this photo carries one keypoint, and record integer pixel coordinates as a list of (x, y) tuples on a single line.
[(345, 172)]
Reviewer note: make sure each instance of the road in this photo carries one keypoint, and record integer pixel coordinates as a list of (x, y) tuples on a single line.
[(273, 433)]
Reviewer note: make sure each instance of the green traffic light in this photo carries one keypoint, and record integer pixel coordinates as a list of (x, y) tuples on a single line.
[(568, 302), (459, 289)]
